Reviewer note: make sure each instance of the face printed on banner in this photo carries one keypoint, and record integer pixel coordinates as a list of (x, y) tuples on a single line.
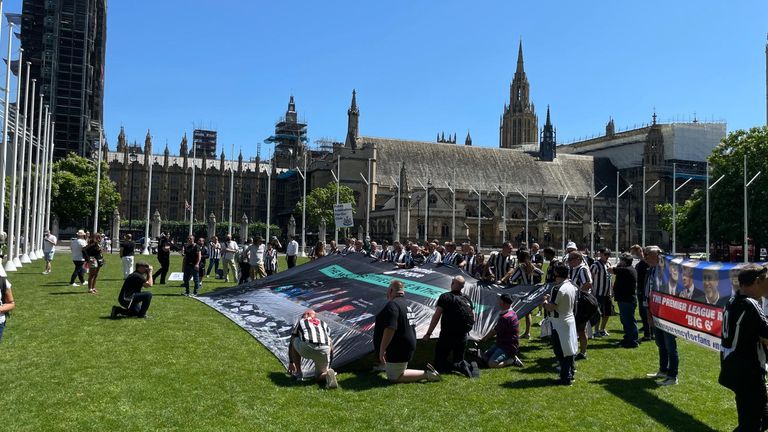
[(711, 281), (734, 275), (687, 278), (674, 272)]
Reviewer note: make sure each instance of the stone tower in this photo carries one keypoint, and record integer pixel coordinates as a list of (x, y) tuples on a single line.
[(353, 118), (519, 124), (548, 146), (653, 153)]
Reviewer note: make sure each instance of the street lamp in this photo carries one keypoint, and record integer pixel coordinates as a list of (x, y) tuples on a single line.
[(745, 251), (645, 192), (133, 158), (674, 206), (709, 188), (618, 196), (565, 198)]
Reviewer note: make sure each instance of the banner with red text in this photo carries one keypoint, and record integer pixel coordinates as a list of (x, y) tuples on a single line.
[(692, 297)]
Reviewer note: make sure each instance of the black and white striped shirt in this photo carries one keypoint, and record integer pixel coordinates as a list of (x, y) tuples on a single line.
[(398, 257), (313, 331), (580, 275), (601, 279), (386, 255), (520, 276), (500, 264), (213, 251), (451, 258), (469, 263)]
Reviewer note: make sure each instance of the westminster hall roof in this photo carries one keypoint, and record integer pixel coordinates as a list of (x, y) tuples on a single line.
[(484, 168)]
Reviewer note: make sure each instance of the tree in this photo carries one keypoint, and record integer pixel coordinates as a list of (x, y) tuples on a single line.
[(727, 198), (73, 194), (320, 204)]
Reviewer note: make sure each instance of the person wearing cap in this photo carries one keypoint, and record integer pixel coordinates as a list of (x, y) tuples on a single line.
[(559, 306), (394, 339), (624, 288), (49, 248), (669, 360), (742, 350), (134, 302), (449, 312), (311, 339), (77, 248), (507, 332)]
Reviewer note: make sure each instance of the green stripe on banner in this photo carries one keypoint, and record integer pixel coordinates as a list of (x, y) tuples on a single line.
[(418, 288), (424, 290)]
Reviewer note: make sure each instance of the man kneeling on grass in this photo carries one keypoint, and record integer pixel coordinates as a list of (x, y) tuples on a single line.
[(394, 339), (311, 339), (507, 331), (133, 301)]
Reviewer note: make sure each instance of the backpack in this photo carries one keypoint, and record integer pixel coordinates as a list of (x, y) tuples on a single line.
[(464, 309), (586, 307)]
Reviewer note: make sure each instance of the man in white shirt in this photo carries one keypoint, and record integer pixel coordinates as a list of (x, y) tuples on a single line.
[(559, 306), (78, 259), (291, 251), (229, 250), (256, 259), (49, 248)]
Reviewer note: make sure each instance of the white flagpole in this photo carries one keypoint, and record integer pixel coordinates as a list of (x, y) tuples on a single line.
[(43, 182), (231, 191), (269, 197), (35, 229), (565, 198), (304, 207), (49, 186), (503, 215), (145, 251), (12, 260), (6, 119), (29, 252), (21, 210), (192, 204)]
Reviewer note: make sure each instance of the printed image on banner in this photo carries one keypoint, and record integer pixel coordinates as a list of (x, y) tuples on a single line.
[(347, 292), (691, 299)]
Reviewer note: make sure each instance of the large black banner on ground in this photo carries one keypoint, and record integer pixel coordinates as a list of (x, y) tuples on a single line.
[(347, 292)]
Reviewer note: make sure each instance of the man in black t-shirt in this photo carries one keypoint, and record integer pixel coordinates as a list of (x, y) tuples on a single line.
[(453, 334), (642, 269), (394, 339), (742, 351), (163, 257), (133, 301), (624, 288), (127, 248), (192, 256)]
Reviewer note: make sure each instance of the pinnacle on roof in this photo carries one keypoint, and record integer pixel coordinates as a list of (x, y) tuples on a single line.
[(548, 123), (353, 107), (291, 104)]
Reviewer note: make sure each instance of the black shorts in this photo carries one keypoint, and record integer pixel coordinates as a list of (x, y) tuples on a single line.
[(605, 304)]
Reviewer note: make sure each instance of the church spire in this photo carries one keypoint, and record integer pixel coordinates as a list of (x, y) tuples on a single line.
[(290, 114), (353, 117), (547, 147), (520, 69)]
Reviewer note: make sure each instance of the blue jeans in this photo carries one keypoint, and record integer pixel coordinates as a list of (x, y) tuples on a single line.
[(213, 262), (190, 271), (668, 358), (2, 329), (495, 355), (627, 318)]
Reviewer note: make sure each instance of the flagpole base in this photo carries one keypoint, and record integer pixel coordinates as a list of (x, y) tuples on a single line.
[(145, 251), (40, 253), (9, 266), (33, 256), (25, 259), (17, 262)]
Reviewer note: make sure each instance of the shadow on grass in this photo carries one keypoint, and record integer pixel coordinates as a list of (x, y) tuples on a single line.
[(637, 392), (168, 295), (531, 383), (69, 293)]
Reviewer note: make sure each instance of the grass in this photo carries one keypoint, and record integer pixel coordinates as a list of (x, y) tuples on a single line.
[(66, 366)]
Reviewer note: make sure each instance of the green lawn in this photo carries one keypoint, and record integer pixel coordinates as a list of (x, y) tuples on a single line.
[(66, 366)]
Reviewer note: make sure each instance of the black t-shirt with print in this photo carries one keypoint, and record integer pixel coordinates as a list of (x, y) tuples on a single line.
[(190, 254), (396, 315)]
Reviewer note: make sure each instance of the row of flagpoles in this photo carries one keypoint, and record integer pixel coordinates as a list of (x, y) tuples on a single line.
[(30, 184)]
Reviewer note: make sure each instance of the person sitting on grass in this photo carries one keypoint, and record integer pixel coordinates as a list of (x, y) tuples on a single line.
[(507, 330), (394, 339), (311, 339), (134, 302)]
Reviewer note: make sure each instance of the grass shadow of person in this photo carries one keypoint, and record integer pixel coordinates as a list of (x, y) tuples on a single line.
[(69, 293), (637, 392), (531, 383)]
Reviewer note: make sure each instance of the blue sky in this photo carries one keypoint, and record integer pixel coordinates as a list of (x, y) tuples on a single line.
[(421, 67)]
